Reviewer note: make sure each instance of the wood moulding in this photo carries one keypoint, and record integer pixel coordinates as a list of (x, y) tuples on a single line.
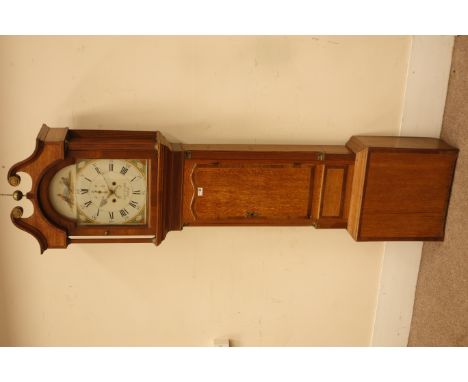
[(50, 148)]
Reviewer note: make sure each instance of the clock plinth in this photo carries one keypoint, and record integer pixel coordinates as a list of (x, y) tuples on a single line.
[(103, 186), (401, 188)]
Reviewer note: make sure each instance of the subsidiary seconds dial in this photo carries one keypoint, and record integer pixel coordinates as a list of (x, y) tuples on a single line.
[(111, 191)]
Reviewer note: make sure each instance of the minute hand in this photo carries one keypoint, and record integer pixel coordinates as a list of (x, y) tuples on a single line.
[(109, 188)]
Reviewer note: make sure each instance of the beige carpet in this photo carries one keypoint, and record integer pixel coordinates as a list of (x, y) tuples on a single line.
[(440, 315)]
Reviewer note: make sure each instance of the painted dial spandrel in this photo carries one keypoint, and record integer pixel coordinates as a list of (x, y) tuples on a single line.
[(101, 192)]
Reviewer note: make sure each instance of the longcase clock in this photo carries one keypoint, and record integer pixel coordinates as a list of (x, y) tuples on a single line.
[(91, 186)]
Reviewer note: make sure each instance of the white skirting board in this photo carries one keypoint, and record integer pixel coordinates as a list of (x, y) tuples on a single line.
[(424, 103)]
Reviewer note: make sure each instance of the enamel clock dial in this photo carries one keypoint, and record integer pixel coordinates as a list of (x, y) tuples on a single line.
[(102, 192)]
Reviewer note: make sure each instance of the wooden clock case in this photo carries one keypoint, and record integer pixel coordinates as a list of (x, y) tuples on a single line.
[(60, 147), (379, 188)]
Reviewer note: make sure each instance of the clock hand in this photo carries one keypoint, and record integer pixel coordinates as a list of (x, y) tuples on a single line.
[(103, 201), (105, 181)]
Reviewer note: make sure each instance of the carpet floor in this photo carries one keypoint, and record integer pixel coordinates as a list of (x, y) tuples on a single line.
[(440, 314)]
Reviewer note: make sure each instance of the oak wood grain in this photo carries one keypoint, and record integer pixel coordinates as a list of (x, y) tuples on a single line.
[(168, 188), (327, 149), (401, 188), (357, 191), (333, 191), (361, 142), (332, 195), (239, 191)]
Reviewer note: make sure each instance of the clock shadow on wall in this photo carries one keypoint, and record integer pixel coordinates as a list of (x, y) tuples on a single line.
[(122, 118), (237, 128)]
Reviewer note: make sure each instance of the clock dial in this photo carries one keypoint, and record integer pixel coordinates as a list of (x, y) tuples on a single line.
[(62, 192), (102, 192), (111, 191)]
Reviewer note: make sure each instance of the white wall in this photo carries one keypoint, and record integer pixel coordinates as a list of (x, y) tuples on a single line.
[(257, 286)]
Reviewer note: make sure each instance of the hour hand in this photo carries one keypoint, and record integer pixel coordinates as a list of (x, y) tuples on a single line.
[(103, 202)]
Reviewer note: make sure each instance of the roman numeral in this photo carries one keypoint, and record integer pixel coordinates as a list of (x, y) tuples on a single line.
[(111, 166), (123, 212), (133, 203), (97, 170), (137, 192), (111, 215), (88, 203), (123, 170), (84, 191)]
